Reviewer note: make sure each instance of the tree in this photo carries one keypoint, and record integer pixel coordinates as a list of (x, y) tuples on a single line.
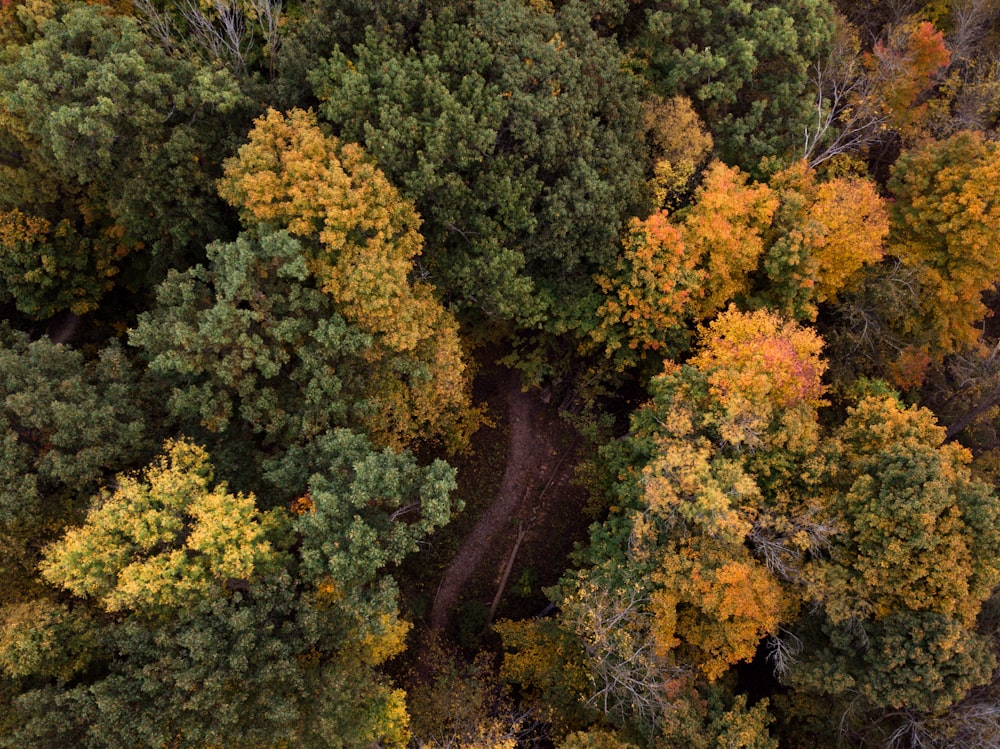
[(515, 131), (905, 579), (713, 523), (743, 65), (680, 146), (651, 293), (163, 542), (290, 176), (360, 240), (675, 269), (252, 346), (791, 244), (724, 229), (863, 98), (823, 234), (66, 425), (460, 704), (185, 615), (104, 152), (944, 224)]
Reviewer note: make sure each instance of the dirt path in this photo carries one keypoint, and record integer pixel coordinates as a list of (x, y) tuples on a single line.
[(524, 458)]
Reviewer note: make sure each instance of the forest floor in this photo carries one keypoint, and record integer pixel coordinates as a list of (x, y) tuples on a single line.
[(521, 540)]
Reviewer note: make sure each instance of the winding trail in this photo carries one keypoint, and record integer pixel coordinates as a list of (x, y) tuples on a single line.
[(525, 456)]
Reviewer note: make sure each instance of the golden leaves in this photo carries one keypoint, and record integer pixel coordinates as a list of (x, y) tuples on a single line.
[(162, 540)]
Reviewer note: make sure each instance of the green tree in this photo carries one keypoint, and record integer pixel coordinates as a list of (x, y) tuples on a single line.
[(252, 348), (744, 65), (105, 150), (516, 133), (66, 425)]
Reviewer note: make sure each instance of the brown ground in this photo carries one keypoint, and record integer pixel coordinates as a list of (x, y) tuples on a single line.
[(535, 495)]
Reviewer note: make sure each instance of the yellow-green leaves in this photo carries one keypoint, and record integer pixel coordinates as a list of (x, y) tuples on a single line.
[(164, 540)]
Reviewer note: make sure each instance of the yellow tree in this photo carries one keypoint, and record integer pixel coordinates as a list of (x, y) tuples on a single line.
[(713, 520), (945, 227), (362, 240), (165, 541), (293, 176), (824, 233), (724, 230), (897, 597)]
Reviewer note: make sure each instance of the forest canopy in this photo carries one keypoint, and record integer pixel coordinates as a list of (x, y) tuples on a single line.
[(676, 319)]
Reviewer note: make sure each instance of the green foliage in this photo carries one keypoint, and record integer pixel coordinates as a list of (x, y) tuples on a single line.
[(515, 131), (104, 146), (252, 344), (66, 424), (368, 508), (360, 240), (218, 672), (744, 65)]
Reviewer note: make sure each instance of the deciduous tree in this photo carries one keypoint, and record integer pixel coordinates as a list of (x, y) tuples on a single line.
[(905, 580)]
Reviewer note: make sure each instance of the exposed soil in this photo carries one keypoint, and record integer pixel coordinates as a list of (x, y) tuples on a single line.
[(536, 499)]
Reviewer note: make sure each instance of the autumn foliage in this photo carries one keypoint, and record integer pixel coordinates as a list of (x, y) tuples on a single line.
[(267, 268)]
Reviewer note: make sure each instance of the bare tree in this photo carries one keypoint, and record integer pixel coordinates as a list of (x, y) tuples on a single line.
[(846, 121), (630, 677), (783, 650), (224, 33)]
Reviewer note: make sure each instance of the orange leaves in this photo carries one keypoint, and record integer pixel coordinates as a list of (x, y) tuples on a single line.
[(810, 237), (716, 606), (825, 233), (762, 357), (675, 268), (653, 287), (302, 505), (18, 227), (946, 224), (903, 67), (855, 223), (286, 175), (723, 229), (764, 375)]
